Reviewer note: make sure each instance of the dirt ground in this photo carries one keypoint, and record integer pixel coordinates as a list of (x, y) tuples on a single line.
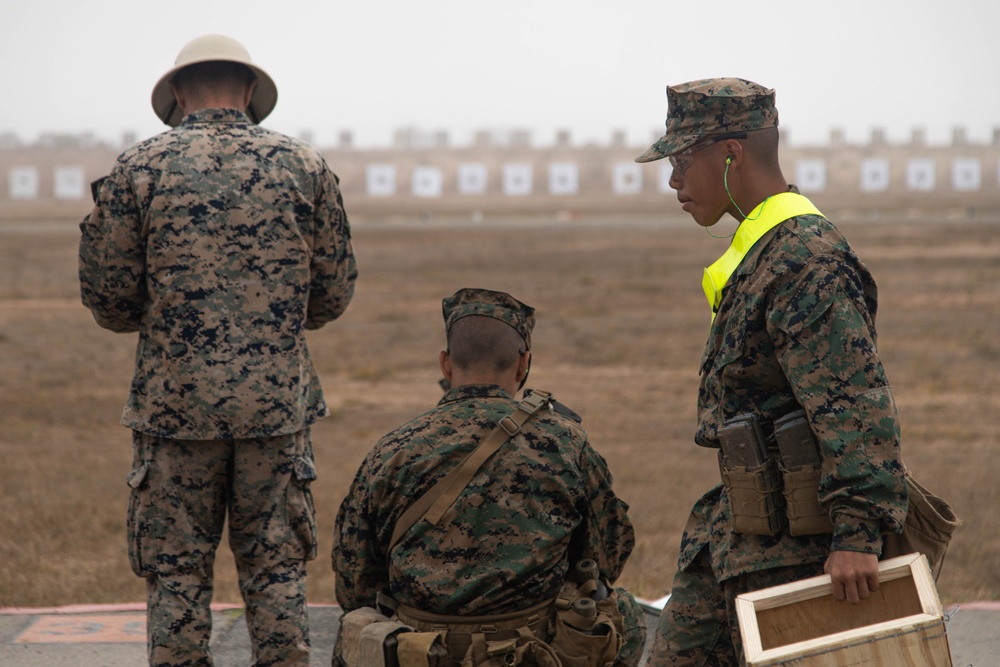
[(621, 324)]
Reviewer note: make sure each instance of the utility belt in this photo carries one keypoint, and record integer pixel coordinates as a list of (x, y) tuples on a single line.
[(772, 481), (580, 627)]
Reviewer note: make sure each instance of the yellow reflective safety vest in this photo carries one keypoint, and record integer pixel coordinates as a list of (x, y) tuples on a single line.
[(769, 214)]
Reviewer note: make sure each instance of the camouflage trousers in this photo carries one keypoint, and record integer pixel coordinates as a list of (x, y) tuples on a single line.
[(699, 627), (182, 491)]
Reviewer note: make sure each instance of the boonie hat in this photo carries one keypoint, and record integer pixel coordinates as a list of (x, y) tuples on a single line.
[(498, 305), (706, 107), (209, 48)]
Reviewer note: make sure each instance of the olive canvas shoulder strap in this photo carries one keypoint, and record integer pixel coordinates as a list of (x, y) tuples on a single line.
[(436, 501)]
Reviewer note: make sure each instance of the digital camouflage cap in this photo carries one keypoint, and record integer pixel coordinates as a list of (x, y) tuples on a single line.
[(707, 107), (488, 303)]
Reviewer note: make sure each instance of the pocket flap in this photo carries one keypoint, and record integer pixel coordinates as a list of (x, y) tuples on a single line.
[(135, 478), (305, 470)]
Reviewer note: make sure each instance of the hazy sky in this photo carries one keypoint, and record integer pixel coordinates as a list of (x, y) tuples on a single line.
[(587, 66)]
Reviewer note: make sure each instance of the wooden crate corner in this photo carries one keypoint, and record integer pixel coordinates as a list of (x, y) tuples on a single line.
[(801, 625)]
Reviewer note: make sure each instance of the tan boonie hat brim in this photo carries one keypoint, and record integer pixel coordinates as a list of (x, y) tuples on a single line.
[(209, 48), (700, 109), (488, 303)]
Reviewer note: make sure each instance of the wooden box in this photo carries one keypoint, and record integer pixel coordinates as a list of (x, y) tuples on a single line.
[(801, 625)]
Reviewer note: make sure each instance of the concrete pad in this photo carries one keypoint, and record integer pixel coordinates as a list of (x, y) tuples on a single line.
[(114, 635)]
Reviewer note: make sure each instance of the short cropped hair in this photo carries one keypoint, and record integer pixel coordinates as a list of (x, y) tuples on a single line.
[(763, 144), (477, 341), (214, 73)]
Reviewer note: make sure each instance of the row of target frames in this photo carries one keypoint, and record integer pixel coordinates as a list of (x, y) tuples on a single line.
[(874, 175)]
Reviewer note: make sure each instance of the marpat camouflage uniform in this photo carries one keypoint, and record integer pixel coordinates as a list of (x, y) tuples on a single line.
[(538, 505), (795, 327), (221, 243)]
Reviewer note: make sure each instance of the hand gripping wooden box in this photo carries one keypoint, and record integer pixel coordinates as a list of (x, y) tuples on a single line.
[(801, 625)]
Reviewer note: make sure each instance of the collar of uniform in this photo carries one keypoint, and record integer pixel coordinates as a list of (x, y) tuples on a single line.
[(474, 391), (215, 116), (767, 215)]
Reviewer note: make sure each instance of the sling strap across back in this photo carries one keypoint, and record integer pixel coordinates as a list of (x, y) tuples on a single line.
[(436, 501)]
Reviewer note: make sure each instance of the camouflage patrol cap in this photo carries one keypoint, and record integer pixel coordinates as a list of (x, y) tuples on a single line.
[(498, 305), (703, 108)]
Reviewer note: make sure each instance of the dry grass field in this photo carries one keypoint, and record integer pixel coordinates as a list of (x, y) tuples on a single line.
[(621, 325)]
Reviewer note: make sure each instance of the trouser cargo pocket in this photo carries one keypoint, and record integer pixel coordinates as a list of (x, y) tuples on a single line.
[(138, 522), (301, 512)]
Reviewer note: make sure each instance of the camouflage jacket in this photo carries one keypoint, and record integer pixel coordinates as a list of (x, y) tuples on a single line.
[(541, 502), (796, 327), (220, 242)]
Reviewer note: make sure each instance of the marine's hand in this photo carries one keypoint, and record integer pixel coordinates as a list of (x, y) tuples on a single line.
[(854, 573)]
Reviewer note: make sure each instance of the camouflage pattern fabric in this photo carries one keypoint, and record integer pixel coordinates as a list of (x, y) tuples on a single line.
[(634, 627), (177, 508), (542, 502), (796, 327), (220, 242), (488, 303), (699, 625), (699, 109)]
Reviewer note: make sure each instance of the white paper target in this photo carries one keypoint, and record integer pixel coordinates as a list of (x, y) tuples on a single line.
[(69, 183), (427, 182), (472, 178), (380, 180), (810, 175), (564, 178), (966, 174), (517, 179), (626, 178), (664, 174), (874, 175), (23, 182), (920, 174)]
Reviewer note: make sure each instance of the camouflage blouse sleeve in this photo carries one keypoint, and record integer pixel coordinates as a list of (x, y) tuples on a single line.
[(605, 532), (825, 342), (358, 557), (113, 257), (334, 268)]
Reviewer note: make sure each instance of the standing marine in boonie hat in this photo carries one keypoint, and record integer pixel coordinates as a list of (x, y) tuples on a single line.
[(792, 338), (195, 242)]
